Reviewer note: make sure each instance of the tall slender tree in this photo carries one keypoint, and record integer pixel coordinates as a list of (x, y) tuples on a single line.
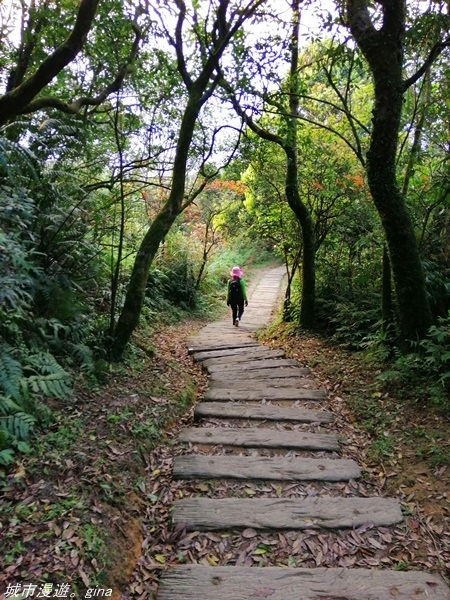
[(383, 48), (288, 142)]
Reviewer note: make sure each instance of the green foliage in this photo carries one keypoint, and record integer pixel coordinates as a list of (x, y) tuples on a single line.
[(431, 356), (436, 350), (33, 342), (381, 448), (171, 288), (24, 379), (350, 320), (427, 366)]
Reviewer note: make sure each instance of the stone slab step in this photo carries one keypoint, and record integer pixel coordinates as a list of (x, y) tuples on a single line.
[(208, 346), (259, 438), (260, 391), (276, 382), (278, 468), (286, 373), (234, 359), (222, 332), (320, 512), (197, 582), (227, 334), (232, 410), (245, 351), (245, 366)]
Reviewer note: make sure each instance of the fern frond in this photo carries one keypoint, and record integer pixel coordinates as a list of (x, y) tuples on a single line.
[(84, 357), (8, 406), (3, 438), (21, 160), (56, 385), (10, 374), (19, 425), (46, 364), (6, 457)]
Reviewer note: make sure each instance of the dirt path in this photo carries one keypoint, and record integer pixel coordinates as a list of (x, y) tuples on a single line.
[(262, 424)]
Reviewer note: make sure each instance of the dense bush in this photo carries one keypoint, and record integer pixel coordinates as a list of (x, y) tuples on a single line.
[(44, 329)]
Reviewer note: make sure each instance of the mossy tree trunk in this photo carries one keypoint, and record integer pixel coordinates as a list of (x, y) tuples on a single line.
[(387, 309), (383, 50), (307, 307)]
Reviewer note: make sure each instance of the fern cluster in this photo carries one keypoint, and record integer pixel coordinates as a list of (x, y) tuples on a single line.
[(25, 380), (45, 321)]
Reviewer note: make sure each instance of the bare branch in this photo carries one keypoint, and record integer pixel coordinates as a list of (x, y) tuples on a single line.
[(434, 53), (181, 62)]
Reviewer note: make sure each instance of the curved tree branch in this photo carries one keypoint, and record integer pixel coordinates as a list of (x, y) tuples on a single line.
[(181, 61), (13, 102), (261, 132), (75, 106), (434, 53)]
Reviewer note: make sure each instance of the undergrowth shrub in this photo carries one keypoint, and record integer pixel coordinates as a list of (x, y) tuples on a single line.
[(428, 366), (350, 321), (40, 334), (26, 378)]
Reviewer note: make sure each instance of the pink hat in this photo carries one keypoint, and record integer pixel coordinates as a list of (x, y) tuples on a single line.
[(236, 272)]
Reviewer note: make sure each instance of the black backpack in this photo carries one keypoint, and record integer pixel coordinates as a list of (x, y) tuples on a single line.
[(235, 294)]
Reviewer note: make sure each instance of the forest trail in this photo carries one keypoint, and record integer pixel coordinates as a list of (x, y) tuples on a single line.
[(262, 422)]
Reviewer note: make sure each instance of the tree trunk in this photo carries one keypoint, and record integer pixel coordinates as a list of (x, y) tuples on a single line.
[(134, 299), (387, 311), (383, 49), (307, 309)]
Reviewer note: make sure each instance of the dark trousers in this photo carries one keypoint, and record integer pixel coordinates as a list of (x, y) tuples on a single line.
[(237, 310)]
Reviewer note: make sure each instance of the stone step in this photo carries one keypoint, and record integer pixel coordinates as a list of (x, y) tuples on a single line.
[(197, 582), (262, 374), (320, 512), (245, 366), (222, 332), (260, 391), (259, 438), (208, 346), (236, 359), (277, 382), (277, 468), (269, 412), (235, 352)]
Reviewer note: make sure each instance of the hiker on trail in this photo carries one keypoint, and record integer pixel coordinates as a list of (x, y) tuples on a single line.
[(237, 295)]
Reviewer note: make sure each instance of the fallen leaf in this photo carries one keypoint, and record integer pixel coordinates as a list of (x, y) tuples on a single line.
[(203, 487), (249, 533), (84, 577)]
